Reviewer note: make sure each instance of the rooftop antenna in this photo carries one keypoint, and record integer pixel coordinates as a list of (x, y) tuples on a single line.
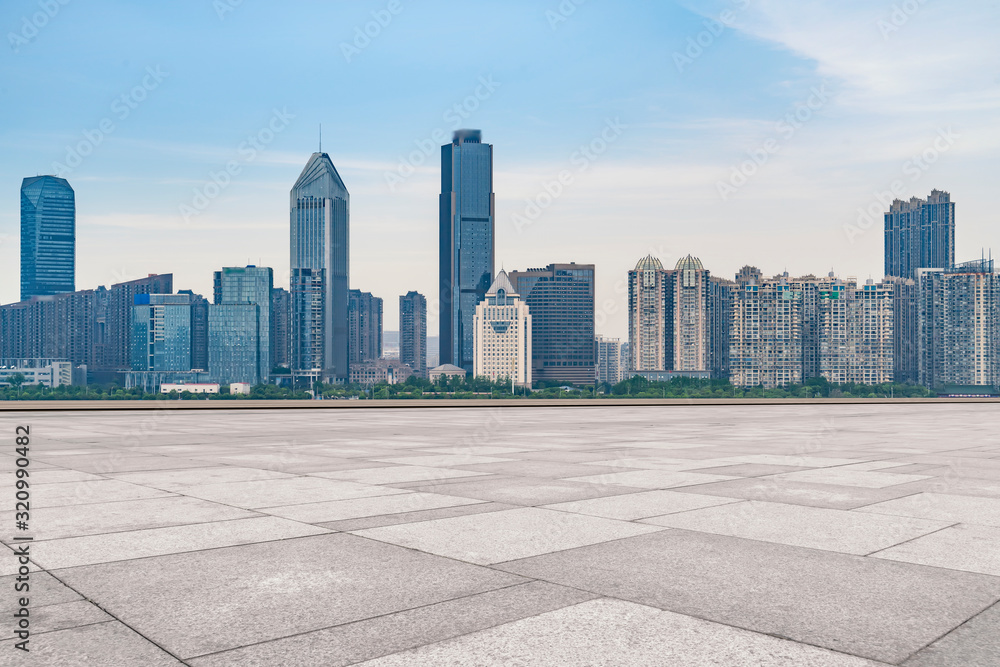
[(321, 137)]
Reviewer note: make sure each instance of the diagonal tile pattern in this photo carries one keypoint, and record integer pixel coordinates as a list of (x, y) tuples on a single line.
[(829, 535)]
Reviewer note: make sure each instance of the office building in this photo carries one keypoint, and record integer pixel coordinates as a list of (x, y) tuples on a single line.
[(281, 340), (919, 233), (364, 326), (467, 224), (413, 332), (199, 330), (161, 333), (114, 321), (251, 285), (42, 372), (234, 343), (48, 237), (502, 341), (609, 368), (560, 298), (320, 221), (959, 325), (244, 303)]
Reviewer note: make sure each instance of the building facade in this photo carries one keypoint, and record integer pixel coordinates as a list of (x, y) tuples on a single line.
[(502, 341), (560, 298), (281, 340), (375, 371), (919, 233), (766, 333), (466, 236), (647, 323), (855, 333), (959, 325), (251, 285), (234, 343), (413, 332), (320, 222), (609, 368), (161, 333), (48, 237), (364, 317)]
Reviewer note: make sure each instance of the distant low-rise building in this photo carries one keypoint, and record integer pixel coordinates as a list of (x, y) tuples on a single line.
[(375, 371), (242, 388), (45, 372), (445, 371), (209, 388)]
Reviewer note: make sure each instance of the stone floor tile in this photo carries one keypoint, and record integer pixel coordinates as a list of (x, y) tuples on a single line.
[(640, 505)]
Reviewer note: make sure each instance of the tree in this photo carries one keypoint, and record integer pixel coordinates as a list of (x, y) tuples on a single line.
[(16, 380)]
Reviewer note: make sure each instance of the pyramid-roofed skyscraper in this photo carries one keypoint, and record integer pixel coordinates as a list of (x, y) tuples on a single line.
[(320, 254)]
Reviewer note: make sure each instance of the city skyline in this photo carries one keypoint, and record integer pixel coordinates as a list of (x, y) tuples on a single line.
[(682, 128)]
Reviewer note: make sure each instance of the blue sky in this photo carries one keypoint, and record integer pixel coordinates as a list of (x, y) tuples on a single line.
[(741, 131)]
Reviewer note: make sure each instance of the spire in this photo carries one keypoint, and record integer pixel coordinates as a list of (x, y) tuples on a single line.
[(321, 137)]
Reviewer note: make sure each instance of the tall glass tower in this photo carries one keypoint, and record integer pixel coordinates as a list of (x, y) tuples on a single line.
[(48, 237), (320, 217), (467, 211), (249, 286)]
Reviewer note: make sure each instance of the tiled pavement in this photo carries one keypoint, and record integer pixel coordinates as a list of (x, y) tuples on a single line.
[(829, 535)]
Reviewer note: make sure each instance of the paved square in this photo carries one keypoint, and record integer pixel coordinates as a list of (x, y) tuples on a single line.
[(752, 535)]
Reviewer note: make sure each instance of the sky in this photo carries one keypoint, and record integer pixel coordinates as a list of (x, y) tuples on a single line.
[(765, 132)]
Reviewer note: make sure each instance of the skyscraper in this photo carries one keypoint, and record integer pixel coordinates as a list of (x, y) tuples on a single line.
[(161, 332), (959, 325), (466, 241), (249, 287), (281, 343), (560, 298), (647, 320), (920, 234), (320, 221), (48, 237), (502, 335), (364, 326), (199, 330), (610, 368), (413, 332)]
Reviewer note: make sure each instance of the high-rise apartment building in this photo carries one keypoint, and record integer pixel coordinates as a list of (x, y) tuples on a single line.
[(249, 288), (919, 234), (647, 323), (161, 332), (855, 333), (467, 224), (959, 325), (114, 321), (364, 326), (610, 367), (320, 220), (766, 334), (679, 319), (560, 298), (906, 331), (502, 340), (48, 237), (413, 332)]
